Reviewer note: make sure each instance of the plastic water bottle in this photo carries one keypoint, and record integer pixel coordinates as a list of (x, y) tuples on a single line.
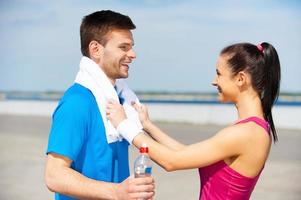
[(143, 164)]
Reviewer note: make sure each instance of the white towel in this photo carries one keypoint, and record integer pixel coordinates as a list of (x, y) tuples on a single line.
[(91, 76)]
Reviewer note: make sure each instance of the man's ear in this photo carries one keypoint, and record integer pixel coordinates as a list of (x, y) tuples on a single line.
[(95, 50)]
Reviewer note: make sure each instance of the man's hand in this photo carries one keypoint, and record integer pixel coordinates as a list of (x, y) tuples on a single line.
[(136, 188)]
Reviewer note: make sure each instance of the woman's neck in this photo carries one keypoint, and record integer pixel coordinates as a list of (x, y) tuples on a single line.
[(249, 105)]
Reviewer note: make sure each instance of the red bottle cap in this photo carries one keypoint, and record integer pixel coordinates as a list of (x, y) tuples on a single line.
[(143, 149)]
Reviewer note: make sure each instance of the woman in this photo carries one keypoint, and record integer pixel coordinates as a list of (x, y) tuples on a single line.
[(231, 161)]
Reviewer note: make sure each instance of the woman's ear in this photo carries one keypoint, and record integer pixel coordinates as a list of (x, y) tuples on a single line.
[(242, 78), (95, 50)]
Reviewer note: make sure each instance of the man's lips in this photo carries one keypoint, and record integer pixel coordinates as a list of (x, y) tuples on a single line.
[(125, 65)]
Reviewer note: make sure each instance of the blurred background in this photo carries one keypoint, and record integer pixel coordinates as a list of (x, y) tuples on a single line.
[(177, 44)]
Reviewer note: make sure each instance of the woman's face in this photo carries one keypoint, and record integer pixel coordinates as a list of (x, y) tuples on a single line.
[(224, 81)]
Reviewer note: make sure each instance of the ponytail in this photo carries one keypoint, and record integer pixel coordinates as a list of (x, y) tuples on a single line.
[(271, 83), (262, 63)]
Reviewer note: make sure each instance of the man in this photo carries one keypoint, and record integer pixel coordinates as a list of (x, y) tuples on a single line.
[(86, 158)]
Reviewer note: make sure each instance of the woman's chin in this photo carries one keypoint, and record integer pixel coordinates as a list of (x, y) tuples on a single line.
[(222, 99)]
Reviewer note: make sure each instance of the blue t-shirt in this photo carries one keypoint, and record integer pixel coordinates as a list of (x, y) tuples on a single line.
[(78, 133)]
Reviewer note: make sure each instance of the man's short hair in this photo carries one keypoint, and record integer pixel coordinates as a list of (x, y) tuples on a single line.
[(95, 26)]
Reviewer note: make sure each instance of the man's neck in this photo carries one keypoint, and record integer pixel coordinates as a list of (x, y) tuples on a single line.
[(97, 61), (113, 81)]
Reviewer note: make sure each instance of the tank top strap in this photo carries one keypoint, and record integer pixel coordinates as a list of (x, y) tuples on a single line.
[(261, 122)]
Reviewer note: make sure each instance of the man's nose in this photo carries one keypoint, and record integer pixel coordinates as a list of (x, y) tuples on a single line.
[(132, 54)]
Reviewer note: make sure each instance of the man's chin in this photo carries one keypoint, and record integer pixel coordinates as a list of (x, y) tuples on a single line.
[(124, 75)]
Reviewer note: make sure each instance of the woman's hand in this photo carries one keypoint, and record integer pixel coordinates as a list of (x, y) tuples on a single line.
[(115, 113), (143, 114)]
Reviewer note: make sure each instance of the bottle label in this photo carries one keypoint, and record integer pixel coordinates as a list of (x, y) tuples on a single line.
[(143, 171), (148, 170)]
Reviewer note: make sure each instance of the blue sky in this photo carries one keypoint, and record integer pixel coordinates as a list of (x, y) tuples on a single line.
[(177, 42)]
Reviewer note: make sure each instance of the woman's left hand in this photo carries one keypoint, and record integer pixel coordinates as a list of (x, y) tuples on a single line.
[(142, 113), (115, 113)]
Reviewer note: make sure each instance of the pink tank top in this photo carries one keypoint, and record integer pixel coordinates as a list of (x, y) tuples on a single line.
[(220, 182)]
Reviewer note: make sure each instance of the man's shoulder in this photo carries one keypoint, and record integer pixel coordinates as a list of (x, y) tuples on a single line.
[(79, 93), (77, 96)]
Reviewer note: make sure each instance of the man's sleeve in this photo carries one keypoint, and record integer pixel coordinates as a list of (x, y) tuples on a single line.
[(68, 131)]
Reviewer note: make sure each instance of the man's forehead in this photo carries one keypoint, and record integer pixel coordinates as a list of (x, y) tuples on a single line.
[(121, 36)]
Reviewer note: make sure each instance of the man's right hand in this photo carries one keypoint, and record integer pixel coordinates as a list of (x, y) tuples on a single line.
[(136, 188)]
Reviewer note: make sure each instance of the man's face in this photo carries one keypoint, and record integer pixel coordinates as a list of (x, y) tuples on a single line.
[(117, 54)]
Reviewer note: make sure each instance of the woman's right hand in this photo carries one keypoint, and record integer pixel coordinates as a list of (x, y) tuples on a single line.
[(115, 112), (143, 114)]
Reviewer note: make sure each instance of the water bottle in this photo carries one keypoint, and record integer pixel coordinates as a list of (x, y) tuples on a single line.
[(143, 164)]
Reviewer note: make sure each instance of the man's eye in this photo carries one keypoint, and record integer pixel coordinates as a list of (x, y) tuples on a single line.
[(123, 48)]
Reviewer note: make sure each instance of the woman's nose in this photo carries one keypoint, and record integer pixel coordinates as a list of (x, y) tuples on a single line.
[(214, 81)]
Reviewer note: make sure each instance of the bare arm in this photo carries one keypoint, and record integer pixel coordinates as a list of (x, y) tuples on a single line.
[(154, 131), (228, 142), (223, 145), (61, 178), (161, 137)]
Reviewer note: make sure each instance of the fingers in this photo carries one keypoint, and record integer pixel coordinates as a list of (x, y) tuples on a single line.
[(112, 101), (145, 184), (142, 180), (142, 195), (142, 187), (136, 188), (137, 107), (112, 106)]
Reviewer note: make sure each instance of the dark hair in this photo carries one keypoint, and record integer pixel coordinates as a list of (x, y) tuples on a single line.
[(95, 26), (262, 63)]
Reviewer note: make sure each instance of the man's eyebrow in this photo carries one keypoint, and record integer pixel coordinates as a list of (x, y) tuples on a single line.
[(126, 42)]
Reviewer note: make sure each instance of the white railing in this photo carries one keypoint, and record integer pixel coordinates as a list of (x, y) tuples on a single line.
[(284, 116)]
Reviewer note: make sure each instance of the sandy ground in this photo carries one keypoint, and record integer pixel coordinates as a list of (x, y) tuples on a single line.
[(23, 143)]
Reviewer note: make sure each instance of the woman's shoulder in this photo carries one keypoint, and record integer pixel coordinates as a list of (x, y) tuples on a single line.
[(241, 134), (250, 134), (252, 129)]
